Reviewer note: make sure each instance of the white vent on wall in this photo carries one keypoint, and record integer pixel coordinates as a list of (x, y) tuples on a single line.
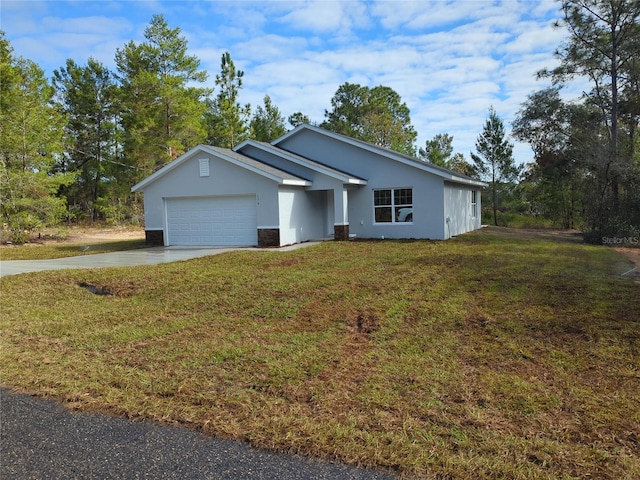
[(204, 167)]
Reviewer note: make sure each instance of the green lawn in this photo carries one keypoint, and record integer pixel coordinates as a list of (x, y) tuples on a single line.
[(487, 356)]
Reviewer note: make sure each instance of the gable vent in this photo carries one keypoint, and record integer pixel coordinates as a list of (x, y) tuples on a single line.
[(204, 167)]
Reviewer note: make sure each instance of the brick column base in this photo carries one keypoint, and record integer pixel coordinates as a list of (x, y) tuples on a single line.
[(341, 232), (268, 237), (154, 237)]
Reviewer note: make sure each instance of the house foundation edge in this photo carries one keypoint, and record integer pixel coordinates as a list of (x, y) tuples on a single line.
[(154, 238), (268, 237), (341, 232)]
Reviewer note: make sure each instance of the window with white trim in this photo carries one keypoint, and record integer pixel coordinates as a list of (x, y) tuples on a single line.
[(393, 205), (204, 167), (474, 203)]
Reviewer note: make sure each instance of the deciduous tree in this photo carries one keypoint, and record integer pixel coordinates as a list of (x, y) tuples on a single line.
[(604, 47), (552, 182)]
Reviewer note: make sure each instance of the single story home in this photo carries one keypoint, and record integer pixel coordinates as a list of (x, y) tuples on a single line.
[(308, 184)]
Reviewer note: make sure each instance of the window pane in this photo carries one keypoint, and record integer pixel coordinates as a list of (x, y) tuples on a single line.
[(404, 214), (403, 196), (383, 214), (474, 204), (382, 197)]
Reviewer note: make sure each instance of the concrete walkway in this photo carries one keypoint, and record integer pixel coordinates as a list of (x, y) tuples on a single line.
[(144, 256)]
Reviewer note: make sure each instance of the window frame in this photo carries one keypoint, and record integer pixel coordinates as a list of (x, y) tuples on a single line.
[(393, 205), (474, 203)]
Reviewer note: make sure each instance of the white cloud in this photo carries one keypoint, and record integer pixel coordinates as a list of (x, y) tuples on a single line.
[(271, 48), (95, 25), (319, 16), (413, 15)]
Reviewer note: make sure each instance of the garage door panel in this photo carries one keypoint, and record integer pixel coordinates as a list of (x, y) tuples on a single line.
[(219, 221)]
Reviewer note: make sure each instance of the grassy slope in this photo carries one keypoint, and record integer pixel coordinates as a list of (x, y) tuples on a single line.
[(480, 357)]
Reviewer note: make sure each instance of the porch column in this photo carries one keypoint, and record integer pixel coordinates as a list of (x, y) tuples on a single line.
[(341, 222)]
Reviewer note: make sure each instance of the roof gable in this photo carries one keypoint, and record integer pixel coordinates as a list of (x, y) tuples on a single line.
[(444, 173), (275, 174)]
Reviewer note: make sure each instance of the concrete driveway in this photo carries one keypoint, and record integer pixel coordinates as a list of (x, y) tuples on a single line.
[(144, 256)]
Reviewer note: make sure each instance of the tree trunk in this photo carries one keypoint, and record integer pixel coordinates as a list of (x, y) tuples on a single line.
[(614, 114), (494, 202)]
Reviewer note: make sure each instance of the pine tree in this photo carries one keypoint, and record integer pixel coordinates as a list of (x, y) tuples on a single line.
[(376, 115), (438, 150), (267, 123), (494, 161), (87, 95), (161, 109), (31, 144), (226, 119), (298, 118), (604, 47)]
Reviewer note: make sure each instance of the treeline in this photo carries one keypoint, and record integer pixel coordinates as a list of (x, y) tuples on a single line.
[(587, 158), (586, 168), (72, 146)]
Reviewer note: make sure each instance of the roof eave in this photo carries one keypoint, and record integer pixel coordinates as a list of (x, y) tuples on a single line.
[(270, 176), (468, 181), (356, 181), (296, 183)]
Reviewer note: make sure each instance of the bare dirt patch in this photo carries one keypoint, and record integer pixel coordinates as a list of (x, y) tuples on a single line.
[(96, 235), (74, 235)]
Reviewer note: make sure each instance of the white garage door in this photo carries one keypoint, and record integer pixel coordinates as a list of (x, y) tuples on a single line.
[(215, 221)]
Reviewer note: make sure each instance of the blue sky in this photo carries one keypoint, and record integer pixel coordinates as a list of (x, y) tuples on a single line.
[(449, 60)]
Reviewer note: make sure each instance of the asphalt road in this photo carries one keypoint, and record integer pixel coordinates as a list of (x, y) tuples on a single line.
[(40, 439)]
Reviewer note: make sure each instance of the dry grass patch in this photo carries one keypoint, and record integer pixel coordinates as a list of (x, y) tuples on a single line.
[(488, 356)]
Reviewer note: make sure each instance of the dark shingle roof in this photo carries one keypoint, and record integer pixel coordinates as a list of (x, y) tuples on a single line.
[(303, 160), (257, 164)]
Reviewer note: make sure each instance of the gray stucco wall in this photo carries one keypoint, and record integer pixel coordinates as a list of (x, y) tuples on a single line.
[(380, 172), (225, 179), (458, 210), (302, 215)]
